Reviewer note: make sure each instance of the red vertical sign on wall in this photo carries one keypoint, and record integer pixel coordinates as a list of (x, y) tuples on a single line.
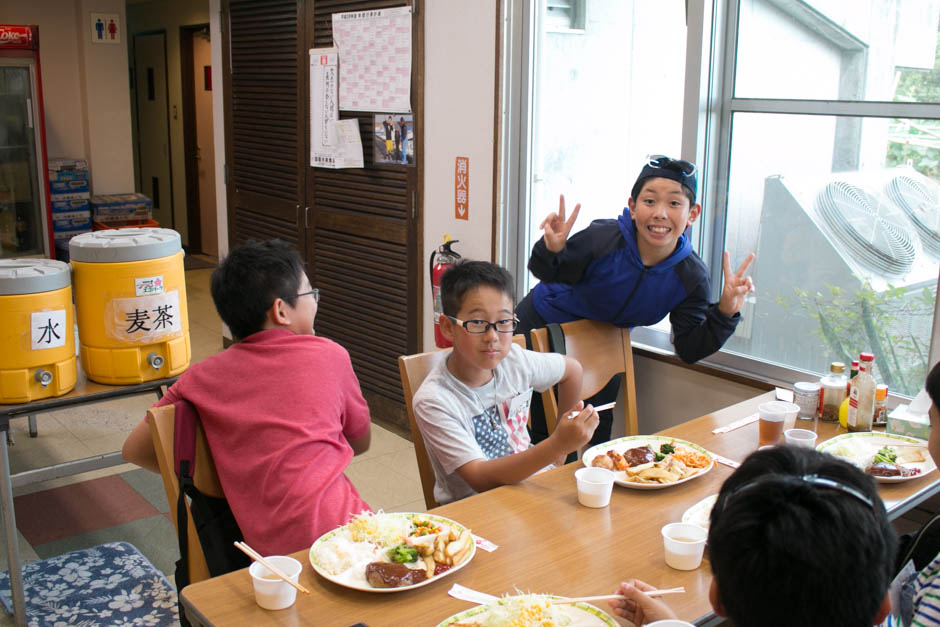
[(462, 189)]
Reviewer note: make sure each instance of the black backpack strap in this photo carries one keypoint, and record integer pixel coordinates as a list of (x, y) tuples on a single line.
[(556, 338), (921, 546)]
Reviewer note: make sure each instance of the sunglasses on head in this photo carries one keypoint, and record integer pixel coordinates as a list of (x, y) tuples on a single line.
[(687, 168)]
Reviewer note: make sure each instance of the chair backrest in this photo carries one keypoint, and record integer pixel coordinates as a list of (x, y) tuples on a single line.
[(206, 479), (603, 350), (413, 370)]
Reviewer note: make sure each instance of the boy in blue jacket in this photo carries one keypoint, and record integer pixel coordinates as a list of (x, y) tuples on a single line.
[(634, 270)]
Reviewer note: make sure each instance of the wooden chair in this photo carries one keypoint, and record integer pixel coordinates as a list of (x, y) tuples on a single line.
[(413, 370), (603, 350), (206, 480)]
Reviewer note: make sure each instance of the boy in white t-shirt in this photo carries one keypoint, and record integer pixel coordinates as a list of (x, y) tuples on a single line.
[(473, 407)]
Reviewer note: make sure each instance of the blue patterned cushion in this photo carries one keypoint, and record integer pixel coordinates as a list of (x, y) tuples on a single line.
[(110, 584)]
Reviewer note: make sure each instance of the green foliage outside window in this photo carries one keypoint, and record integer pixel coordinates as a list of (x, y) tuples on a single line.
[(890, 324)]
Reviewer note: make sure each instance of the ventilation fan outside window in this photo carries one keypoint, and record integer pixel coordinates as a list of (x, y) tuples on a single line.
[(921, 206), (874, 233)]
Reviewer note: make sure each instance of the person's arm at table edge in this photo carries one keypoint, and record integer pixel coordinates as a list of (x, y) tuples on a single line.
[(361, 444), (138, 448), (486, 474), (569, 386)]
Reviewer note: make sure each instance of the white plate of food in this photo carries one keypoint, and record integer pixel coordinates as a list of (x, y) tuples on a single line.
[(530, 609), (889, 458), (700, 513), (642, 462), (392, 552)]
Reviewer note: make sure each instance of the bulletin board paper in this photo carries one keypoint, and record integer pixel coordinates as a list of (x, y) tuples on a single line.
[(324, 110), (375, 56)]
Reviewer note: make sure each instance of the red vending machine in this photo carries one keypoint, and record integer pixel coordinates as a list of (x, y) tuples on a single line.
[(25, 211)]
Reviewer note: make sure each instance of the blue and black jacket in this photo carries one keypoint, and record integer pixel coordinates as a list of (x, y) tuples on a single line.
[(599, 275)]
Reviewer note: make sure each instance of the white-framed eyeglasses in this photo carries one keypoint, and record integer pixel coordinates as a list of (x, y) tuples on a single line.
[(482, 326)]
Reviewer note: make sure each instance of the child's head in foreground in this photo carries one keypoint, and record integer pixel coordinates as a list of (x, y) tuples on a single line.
[(477, 299), (252, 278), (799, 537)]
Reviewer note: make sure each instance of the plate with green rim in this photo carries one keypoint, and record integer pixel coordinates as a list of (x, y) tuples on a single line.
[(846, 446), (654, 442), (351, 580)]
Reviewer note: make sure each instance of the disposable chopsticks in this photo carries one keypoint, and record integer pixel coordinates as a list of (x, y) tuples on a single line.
[(602, 597), (250, 552), (598, 408)]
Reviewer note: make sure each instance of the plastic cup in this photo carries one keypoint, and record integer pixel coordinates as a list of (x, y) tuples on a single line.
[(684, 544), (272, 592), (670, 622), (800, 437), (792, 412), (771, 418), (594, 486)]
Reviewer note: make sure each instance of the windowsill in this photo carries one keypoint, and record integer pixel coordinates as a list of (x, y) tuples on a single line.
[(704, 368)]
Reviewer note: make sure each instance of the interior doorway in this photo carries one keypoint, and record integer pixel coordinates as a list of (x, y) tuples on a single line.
[(198, 141), (153, 124)]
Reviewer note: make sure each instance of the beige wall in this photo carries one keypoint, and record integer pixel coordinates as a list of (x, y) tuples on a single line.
[(85, 87), (169, 15), (459, 92)]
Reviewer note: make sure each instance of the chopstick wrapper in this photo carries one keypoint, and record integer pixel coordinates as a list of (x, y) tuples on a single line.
[(483, 543), (724, 460), (466, 594), (743, 422)]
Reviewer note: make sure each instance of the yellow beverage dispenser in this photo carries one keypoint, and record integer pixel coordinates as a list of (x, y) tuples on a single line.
[(37, 337), (130, 300)]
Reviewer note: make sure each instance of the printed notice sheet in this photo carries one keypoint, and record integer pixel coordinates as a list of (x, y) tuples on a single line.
[(375, 50), (323, 105)]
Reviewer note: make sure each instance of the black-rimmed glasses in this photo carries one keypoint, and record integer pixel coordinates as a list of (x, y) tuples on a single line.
[(482, 326), (687, 168), (314, 292)]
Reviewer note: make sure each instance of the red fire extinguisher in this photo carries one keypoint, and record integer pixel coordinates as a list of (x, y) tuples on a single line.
[(441, 259)]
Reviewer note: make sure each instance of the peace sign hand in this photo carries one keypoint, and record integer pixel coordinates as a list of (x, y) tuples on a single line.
[(557, 228), (736, 286)]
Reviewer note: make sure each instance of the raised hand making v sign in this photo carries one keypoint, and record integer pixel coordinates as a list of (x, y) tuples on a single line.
[(736, 286), (556, 228), (633, 271)]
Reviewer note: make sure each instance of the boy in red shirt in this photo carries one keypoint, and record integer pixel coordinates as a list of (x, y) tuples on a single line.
[(282, 409)]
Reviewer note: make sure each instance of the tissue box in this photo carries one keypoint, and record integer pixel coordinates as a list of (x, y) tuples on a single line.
[(900, 422)]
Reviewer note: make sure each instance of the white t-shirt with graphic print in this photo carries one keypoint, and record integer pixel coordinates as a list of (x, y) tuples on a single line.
[(460, 424)]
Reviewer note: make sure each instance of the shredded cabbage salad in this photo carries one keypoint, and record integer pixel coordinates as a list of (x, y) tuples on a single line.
[(525, 610)]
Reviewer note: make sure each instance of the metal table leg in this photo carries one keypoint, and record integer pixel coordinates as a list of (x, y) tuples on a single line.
[(33, 429), (9, 530)]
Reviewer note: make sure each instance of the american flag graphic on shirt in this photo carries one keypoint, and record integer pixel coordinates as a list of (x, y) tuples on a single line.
[(499, 433)]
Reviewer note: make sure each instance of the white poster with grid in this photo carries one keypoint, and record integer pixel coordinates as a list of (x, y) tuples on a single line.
[(375, 59)]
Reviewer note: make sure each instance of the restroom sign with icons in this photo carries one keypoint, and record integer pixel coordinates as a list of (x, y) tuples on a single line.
[(106, 28)]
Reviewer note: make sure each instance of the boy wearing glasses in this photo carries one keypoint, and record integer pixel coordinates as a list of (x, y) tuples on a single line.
[(797, 537), (473, 406), (633, 271), (281, 409)]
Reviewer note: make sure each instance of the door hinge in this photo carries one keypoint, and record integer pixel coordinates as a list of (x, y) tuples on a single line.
[(414, 205)]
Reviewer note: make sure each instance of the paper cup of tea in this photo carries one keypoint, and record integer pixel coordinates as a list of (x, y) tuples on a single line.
[(800, 437), (594, 486), (772, 416), (684, 544), (272, 592)]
